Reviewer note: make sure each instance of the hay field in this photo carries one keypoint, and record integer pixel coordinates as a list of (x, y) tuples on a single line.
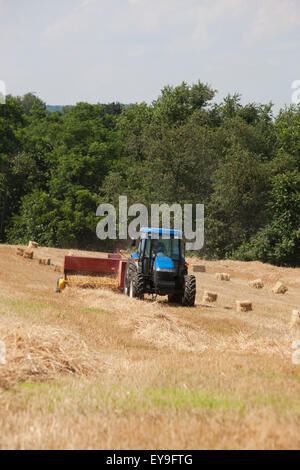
[(93, 369)]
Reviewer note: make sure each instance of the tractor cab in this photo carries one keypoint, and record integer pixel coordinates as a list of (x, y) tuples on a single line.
[(155, 253), (158, 266)]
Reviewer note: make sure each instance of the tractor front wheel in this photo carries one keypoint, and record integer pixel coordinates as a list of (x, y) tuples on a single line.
[(189, 291)]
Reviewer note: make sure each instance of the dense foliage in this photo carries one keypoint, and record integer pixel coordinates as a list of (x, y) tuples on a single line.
[(240, 161)]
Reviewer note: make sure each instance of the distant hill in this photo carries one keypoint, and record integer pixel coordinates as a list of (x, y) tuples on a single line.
[(54, 108), (110, 107)]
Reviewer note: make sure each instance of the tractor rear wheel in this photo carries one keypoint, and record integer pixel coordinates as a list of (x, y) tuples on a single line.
[(189, 291), (136, 285)]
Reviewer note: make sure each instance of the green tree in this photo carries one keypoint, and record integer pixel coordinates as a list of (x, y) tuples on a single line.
[(279, 241), (176, 104), (30, 101), (237, 207)]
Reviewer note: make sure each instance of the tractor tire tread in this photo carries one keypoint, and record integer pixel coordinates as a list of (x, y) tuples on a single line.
[(138, 283), (189, 290)]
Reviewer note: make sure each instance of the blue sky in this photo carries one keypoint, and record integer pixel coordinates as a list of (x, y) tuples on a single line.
[(127, 50)]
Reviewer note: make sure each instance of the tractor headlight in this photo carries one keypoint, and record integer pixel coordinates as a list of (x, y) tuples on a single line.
[(164, 270)]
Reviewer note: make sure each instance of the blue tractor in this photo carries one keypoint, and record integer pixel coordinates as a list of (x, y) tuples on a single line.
[(158, 267)]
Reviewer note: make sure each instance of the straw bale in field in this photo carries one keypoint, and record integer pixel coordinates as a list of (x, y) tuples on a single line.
[(20, 251), (279, 288), (295, 320), (222, 277), (243, 306), (198, 268), (256, 284), (210, 296), (33, 244), (45, 261)]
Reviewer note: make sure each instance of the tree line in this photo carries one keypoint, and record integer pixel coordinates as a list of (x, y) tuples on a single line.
[(239, 160)]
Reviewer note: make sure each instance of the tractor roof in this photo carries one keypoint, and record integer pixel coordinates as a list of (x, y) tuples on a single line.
[(161, 231)]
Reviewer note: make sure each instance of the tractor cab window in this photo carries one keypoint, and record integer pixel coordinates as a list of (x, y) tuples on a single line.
[(167, 247), (176, 249)]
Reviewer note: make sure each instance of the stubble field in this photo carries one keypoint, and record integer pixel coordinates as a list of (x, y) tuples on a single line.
[(93, 369)]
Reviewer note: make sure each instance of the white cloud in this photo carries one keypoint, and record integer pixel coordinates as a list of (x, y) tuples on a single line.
[(236, 25), (131, 48), (273, 17), (203, 24), (83, 17)]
